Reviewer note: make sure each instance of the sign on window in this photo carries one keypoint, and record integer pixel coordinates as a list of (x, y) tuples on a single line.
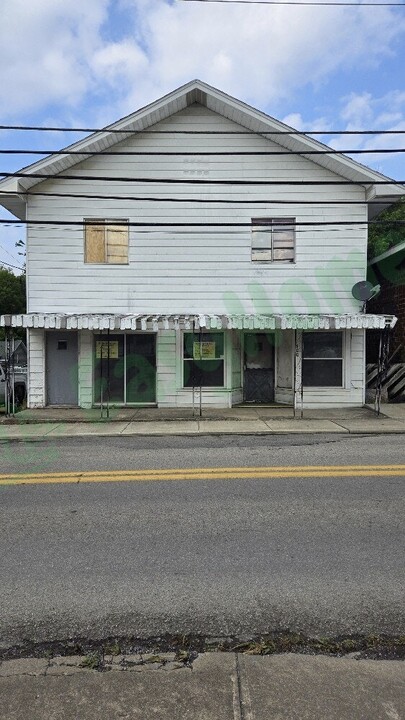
[(204, 351), (103, 351)]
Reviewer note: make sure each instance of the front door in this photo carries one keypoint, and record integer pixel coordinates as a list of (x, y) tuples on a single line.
[(258, 367), (61, 368)]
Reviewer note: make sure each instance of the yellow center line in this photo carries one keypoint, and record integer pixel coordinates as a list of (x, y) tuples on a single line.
[(227, 473)]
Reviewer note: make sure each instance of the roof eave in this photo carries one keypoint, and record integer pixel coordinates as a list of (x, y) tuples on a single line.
[(217, 101)]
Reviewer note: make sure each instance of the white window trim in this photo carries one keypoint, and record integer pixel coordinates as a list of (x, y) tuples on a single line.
[(344, 359), (105, 222), (271, 222), (215, 388)]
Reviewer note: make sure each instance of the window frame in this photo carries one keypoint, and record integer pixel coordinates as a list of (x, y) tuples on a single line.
[(342, 359), (273, 224), (104, 336), (105, 223), (184, 359)]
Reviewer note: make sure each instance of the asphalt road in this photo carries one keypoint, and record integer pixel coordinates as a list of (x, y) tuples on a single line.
[(214, 557)]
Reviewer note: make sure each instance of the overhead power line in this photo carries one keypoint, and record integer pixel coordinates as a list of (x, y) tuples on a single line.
[(149, 198), (296, 2), (205, 224), (203, 153), (200, 234), (16, 267), (8, 253), (199, 181), (40, 128)]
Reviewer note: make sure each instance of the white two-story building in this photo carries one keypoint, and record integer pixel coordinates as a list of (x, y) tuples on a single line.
[(196, 247)]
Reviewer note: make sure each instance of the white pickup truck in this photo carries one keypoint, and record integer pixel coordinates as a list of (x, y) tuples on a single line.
[(20, 385)]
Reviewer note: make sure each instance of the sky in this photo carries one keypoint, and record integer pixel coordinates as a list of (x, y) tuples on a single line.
[(86, 63)]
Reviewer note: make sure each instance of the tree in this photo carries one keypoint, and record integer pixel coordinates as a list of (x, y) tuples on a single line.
[(12, 294), (382, 237)]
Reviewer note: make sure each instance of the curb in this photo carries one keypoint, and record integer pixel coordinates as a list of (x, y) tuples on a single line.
[(206, 433)]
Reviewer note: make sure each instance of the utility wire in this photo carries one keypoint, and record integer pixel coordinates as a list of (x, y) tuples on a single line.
[(153, 224), (200, 236), (16, 267), (199, 181), (39, 128), (138, 198), (296, 2), (197, 153), (8, 253)]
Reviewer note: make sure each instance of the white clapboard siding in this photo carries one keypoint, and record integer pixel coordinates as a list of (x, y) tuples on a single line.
[(236, 360), (166, 368), (284, 366), (185, 269), (36, 368), (85, 368)]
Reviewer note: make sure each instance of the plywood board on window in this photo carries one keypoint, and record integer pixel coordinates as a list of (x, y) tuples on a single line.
[(117, 244), (95, 244)]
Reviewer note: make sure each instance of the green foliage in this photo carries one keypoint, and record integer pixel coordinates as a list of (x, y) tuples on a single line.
[(12, 294), (382, 237)]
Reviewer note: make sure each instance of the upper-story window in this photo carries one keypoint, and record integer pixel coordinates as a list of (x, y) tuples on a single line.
[(106, 241), (273, 239)]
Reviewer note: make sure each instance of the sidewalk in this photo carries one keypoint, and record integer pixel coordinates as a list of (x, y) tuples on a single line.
[(258, 420), (218, 686)]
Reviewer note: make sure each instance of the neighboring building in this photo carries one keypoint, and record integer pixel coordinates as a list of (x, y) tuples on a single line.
[(18, 352), (199, 255), (388, 270)]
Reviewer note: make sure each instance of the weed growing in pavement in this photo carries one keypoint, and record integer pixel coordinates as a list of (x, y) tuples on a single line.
[(92, 660)]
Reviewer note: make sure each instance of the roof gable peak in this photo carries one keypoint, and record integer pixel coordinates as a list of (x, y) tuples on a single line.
[(197, 91)]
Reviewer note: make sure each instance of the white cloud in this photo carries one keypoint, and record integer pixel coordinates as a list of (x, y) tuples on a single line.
[(119, 61), (363, 111), (357, 111), (67, 53), (296, 121), (259, 53), (44, 45)]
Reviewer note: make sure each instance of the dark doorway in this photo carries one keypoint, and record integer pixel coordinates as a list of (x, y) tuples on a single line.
[(258, 368)]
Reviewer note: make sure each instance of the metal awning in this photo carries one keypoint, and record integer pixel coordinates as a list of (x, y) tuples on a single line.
[(67, 321)]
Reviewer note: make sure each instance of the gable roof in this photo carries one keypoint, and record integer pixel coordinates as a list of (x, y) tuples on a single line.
[(239, 112), (19, 347)]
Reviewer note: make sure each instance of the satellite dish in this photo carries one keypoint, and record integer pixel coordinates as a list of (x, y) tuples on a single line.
[(364, 290)]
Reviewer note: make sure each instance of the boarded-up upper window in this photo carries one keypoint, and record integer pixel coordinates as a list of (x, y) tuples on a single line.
[(106, 241), (273, 239)]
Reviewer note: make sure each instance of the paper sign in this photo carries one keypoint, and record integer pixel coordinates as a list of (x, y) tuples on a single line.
[(204, 351), (102, 349)]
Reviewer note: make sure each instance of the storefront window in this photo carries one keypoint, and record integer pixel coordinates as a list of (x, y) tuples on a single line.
[(125, 368), (203, 359), (109, 368), (322, 359)]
